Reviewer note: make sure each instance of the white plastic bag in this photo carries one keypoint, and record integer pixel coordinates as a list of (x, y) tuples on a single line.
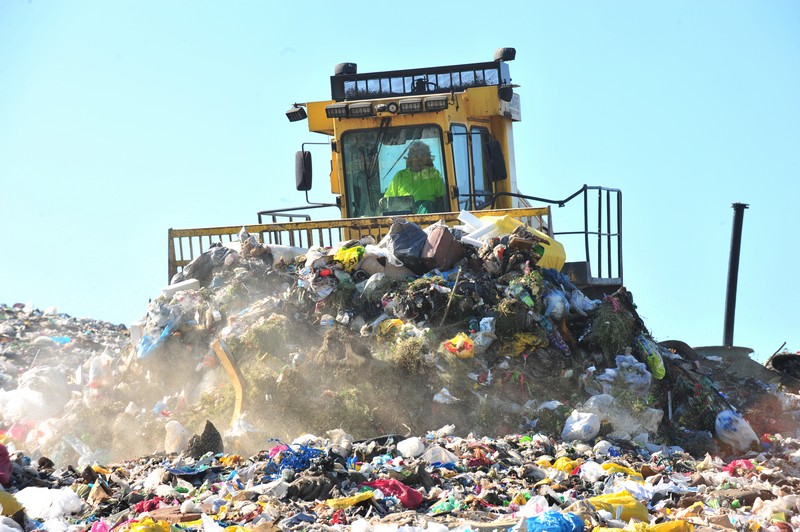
[(44, 503), (411, 447), (438, 454), (581, 426), (177, 437), (382, 252), (734, 430)]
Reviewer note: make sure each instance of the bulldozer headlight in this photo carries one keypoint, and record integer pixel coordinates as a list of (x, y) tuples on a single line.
[(336, 110), (360, 109), (296, 113), (436, 104), (412, 105)]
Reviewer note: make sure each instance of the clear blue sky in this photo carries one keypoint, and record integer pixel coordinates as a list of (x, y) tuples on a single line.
[(119, 120)]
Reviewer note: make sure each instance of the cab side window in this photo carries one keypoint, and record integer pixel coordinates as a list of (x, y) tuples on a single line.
[(462, 165), (481, 184)]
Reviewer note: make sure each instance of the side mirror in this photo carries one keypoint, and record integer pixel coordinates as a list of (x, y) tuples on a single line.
[(496, 163), (302, 170)]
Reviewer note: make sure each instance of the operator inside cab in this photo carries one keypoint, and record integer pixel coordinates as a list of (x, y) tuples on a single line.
[(420, 180)]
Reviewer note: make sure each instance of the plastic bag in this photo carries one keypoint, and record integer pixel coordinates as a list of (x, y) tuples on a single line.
[(556, 305), (461, 345), (734, 430), (8, 504), (373, 288), (630, 374), (405, 241), (390, 327), (317, 257), (438, 454), (377, 251), (566, 464), (349, 257), (482, 340), (346, 502), (592, 471), (411, 447), (613, 468), (177, 437), (621, 505), (44, 503), (582, 304), (677, 525), (409, 497), (581, 426), (651, 352), (554, 521)]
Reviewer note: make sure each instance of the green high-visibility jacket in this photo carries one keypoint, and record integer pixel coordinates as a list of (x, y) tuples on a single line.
[(425, 185)]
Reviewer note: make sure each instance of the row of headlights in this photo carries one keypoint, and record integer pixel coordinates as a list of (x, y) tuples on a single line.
[(407, 106)]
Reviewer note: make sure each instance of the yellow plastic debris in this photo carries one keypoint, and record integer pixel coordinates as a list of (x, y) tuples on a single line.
[(392, 326), (554, 255), (148, 525), (667, 526), (9, 504), (566, 464), (613, 468), (461, 346), (519, 499), (349, 257), (525, 342), (621, 505), (231, 460), (347, 502), (99, 469)]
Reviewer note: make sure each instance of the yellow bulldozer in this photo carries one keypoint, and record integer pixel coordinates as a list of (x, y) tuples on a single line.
[(460, 118), (427, 144)]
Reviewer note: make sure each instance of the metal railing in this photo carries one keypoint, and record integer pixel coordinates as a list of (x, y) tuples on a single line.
[(602, 241), (185, 245)]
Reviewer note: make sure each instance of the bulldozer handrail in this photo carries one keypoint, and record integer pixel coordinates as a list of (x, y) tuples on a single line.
[(184, 245), (608, 237)]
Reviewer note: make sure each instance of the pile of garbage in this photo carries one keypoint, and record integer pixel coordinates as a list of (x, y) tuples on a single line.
[(559, 408), (436, 482)]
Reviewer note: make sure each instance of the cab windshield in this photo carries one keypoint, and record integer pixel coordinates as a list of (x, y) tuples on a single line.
[(394, 170)]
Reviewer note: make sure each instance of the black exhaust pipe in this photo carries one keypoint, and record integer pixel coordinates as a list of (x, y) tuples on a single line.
[(733, 273)]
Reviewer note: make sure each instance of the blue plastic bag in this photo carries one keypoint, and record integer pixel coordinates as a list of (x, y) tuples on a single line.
[(553, 521)]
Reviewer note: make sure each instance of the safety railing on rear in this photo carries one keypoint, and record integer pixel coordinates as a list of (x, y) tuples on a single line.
[(600, 229), (186, 245)]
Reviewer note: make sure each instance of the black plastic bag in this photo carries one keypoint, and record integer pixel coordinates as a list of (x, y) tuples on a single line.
[(405, 240)]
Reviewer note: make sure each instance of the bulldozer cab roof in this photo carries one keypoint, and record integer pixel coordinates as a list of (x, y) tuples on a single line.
[(417, 81)]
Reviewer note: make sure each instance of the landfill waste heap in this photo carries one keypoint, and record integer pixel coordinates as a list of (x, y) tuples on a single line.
[(427, 380)]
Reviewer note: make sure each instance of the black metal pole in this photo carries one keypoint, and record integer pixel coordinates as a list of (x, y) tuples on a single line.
[(733, 272)]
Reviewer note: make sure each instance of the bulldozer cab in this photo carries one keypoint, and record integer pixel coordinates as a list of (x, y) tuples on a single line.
[(419, 141)]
